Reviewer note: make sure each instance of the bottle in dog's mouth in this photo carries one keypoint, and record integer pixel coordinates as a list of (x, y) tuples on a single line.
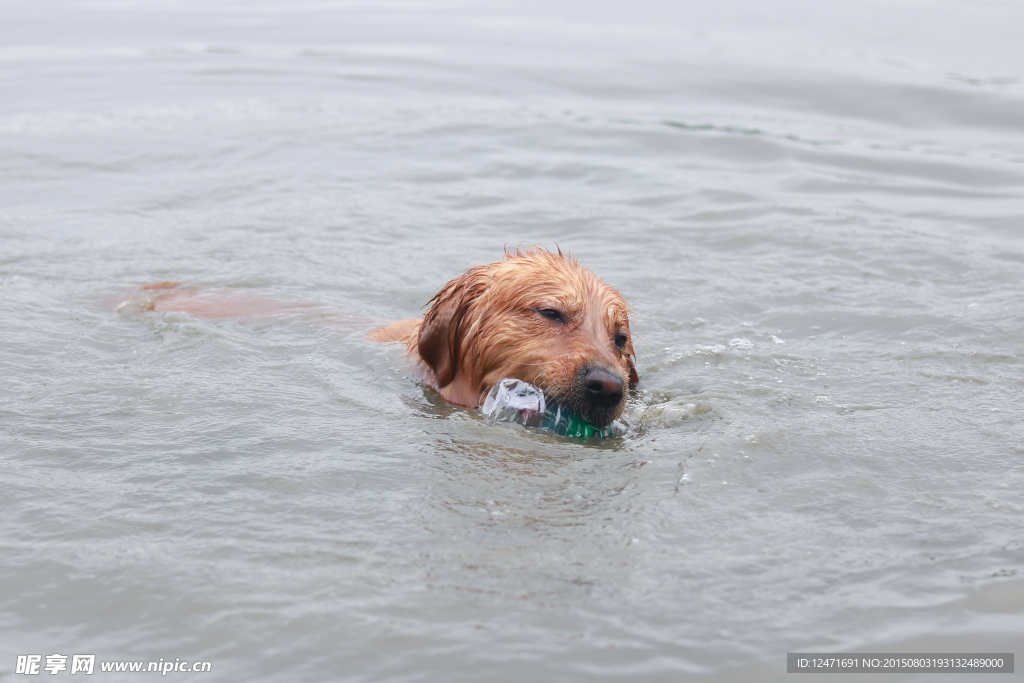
[(513, 400), (564, 422)]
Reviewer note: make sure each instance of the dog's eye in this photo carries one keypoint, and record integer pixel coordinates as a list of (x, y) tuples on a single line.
[(551, 314), (620, 341)]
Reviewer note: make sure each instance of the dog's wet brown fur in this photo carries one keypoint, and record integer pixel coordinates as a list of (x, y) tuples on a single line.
[(537, 316), (496, 321)]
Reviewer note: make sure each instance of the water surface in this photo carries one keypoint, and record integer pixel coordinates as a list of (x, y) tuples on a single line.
[(815, 210)]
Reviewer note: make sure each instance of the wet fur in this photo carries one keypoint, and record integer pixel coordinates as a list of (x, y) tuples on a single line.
[(487, 325)]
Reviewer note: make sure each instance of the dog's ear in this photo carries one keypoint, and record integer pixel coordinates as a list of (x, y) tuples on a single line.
[(445, 323), (634, 378)]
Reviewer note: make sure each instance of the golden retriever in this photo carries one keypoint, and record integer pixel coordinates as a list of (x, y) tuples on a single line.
[(536, 316)]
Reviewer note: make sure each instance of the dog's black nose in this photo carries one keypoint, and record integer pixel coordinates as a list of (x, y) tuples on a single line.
[(603, 388)]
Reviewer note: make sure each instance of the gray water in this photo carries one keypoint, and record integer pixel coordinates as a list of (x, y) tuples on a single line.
[(816, 210)]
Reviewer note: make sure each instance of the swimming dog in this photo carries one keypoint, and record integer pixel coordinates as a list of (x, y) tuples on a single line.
[(537, 316)]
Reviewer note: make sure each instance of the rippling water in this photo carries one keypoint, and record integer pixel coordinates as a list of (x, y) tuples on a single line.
[(815, 209)]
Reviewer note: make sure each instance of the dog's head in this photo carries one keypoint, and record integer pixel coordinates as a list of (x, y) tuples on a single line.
[(540, 317)]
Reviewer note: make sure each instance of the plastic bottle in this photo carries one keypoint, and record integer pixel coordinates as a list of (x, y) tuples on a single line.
[(513, 400)]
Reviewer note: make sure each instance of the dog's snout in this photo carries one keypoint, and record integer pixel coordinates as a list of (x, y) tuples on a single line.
[(603, 388)]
